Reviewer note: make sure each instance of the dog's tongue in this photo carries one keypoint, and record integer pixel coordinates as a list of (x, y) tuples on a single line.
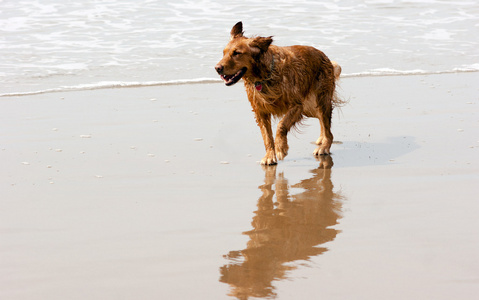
[(258, 86)]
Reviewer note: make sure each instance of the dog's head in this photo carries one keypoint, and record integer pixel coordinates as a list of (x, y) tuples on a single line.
[(240, 55)]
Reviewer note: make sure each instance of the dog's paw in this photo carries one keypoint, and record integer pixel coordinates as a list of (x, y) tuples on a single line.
[(281, 155), (281, 150), (321, 151), (324, 144), (269, 159)]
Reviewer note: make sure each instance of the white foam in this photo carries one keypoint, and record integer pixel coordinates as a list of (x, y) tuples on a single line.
[(114, 84), (437, 34), (470, 68), (136, 84), (394, 72)]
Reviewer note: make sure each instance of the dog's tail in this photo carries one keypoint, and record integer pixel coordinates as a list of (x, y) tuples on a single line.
[(337, 100), (337, 70)]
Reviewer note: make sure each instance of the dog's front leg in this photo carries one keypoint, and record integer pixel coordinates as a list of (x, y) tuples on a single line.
[(294, 115), (264, 123)]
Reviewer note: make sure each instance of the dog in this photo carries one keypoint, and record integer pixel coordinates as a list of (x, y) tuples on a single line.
[(289, 82)]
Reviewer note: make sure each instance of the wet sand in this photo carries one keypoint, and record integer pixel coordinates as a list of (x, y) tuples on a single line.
[(156, 193)]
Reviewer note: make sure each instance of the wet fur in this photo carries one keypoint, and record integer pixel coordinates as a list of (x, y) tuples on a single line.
[(299, 83)]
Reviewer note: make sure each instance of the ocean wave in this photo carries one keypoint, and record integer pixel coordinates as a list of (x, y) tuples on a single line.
[(120, 84), (394, 72), (113, 85)]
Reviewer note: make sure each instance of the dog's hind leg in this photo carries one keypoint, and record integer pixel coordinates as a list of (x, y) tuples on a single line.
[(264, 123), (326, 138), (293, 116)]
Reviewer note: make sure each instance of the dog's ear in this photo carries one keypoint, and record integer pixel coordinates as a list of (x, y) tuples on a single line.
[(237, 30), (262, 43)]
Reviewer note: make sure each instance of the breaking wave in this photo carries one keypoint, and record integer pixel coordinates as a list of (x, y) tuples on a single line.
[(120, 84), (393, 72)]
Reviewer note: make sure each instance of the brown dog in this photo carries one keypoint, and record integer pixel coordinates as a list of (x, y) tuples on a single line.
[(293, 82)]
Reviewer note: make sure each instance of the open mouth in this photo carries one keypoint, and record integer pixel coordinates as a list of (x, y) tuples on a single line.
[(232, 79)]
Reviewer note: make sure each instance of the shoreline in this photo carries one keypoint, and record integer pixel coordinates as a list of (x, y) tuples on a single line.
[(137, 84)]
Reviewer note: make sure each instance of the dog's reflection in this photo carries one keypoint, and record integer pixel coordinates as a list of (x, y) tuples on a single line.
[(292, 228)]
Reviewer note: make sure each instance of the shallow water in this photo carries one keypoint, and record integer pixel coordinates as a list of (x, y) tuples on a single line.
[(89, 44)]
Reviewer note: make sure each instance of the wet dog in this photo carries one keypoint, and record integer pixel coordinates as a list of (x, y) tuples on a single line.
[(289, 82)]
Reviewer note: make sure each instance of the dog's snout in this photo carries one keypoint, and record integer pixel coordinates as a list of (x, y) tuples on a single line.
[(219, 68)]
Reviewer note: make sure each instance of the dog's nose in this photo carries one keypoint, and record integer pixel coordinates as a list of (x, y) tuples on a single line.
[(219, 68)]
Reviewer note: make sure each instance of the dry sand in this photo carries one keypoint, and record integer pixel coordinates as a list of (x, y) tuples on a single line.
[(156, 193)]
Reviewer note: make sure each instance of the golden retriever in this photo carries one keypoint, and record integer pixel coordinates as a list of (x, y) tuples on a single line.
[(290, 82)]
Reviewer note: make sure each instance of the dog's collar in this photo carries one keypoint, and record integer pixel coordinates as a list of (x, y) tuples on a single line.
[(258, 85)]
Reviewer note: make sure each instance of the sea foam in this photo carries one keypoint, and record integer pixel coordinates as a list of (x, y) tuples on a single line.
[(136, 84)]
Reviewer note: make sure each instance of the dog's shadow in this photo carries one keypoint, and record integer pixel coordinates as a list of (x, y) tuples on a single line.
[(292, 228), (365, 153)]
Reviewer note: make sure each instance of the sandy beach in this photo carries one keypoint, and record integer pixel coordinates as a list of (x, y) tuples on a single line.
[(157, 193)]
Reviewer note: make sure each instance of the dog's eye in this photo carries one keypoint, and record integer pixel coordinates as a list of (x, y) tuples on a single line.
[(236, 53)]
